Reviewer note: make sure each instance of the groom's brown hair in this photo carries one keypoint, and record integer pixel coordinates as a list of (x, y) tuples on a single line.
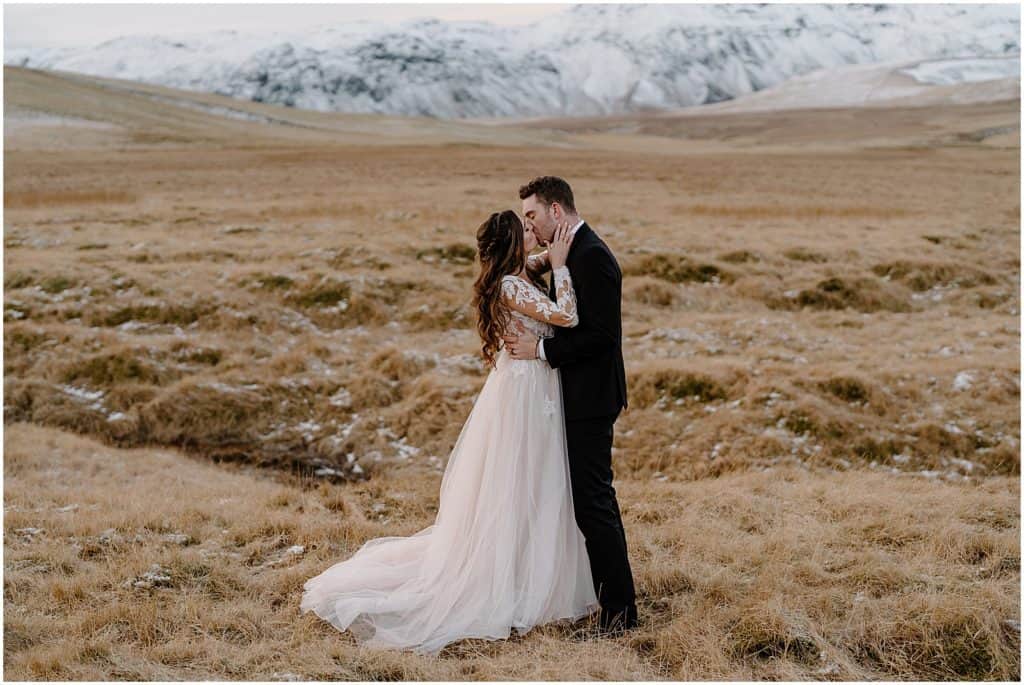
[(550, 189)]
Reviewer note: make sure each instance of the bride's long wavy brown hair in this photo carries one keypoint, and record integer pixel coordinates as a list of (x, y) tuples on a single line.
[(499, 246)]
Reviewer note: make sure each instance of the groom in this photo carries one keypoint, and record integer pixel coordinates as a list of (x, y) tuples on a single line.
[(589, 357)]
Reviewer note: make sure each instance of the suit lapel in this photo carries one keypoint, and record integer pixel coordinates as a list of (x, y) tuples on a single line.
[(582, 233)]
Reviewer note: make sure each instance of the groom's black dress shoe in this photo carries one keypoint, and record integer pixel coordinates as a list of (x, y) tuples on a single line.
[(612, 622)]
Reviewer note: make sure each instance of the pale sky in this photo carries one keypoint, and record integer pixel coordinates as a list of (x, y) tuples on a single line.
[(52, 25)]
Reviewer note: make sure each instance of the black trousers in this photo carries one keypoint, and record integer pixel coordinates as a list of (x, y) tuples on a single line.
[(598, 517)]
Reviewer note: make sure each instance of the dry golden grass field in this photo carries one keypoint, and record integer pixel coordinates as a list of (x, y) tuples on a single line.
[(238, 344)]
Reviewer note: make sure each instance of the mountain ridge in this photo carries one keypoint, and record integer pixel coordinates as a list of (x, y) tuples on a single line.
[(589, 60)]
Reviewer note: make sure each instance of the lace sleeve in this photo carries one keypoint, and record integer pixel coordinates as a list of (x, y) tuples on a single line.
[(538, 263), (525, 298)]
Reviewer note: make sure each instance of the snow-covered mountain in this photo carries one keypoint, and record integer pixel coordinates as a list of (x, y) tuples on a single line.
[(588, 60), (901, 83)]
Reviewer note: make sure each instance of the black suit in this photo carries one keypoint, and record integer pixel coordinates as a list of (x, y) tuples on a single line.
[(589, 357), (590, 354)]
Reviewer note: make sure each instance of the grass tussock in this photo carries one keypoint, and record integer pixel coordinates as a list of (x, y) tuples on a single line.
[(441, 309), (849, 389), (56, 284), (649, 291), (126, 365), (16, 311), (399, 366), (438, 318), (133, 397), (35, 199), (182, 314), (771, 635), (677, 269), (335, 303), (75, 410), (348, 257), (372, 390), (124, 397), (672, 382), (873, 450), (393, 291), (322, 293), (811, 419), (803, 254), (430, 416), (415, 406), (199, 355), (228, 420), (267, 282), (942, 640), (858, 293), (455, 253), (988, 298), (846, 388), (208, 414), (925, 275), (363, 309), (740, 257), (19, 279), (22, 338)]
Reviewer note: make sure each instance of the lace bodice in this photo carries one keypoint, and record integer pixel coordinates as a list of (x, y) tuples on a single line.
[(538, 328), (534, 309)]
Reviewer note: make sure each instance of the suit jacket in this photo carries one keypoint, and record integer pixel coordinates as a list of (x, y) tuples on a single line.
[(589, 355)]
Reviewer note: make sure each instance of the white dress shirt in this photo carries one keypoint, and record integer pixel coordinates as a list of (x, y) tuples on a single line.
[(540, 343)]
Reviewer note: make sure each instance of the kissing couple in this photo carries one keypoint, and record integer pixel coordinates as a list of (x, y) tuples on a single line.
[(528, 529)]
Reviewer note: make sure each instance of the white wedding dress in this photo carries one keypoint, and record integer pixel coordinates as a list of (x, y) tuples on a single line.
[(504, 551)]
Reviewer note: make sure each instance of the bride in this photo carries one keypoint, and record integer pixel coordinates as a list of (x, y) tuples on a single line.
[(504, 551)]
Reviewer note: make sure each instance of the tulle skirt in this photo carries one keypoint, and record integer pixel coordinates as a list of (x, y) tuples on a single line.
[(504, 551)]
